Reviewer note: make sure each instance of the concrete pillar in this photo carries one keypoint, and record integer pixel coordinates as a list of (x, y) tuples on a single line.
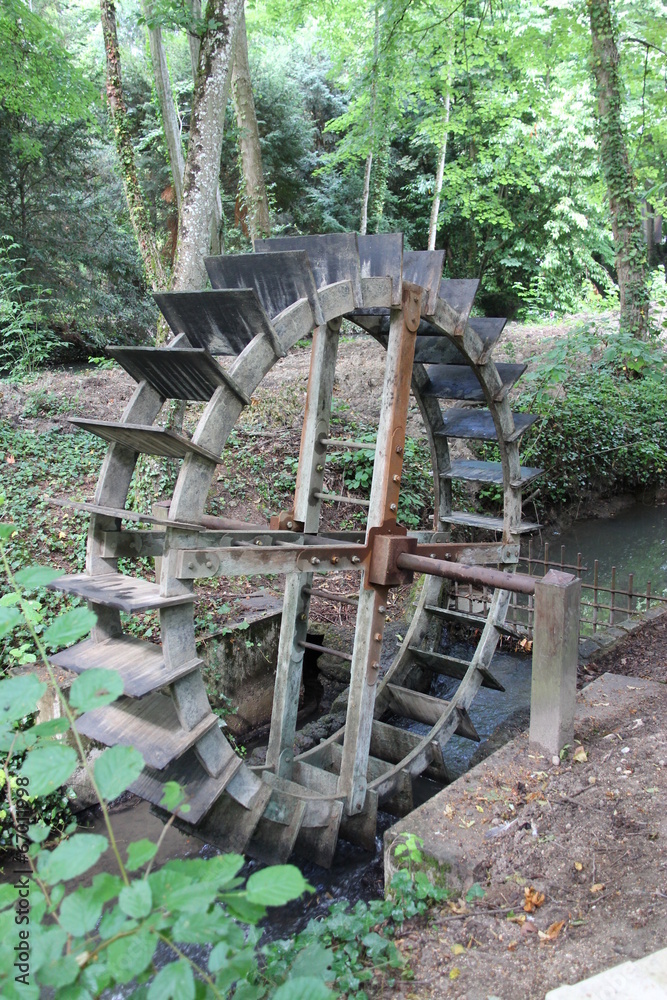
[(555, 654)]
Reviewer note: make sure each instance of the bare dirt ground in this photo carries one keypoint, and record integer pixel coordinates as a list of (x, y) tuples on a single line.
[(577, 882)]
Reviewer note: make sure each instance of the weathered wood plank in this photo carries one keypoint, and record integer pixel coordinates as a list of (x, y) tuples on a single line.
[(487, 472), (381, 255), (424, 268), (145, 440), (114, 590), (467, 520), (149, 724), (185, 374), (202, 790), (477, 424), (279, 278), (394, 745), (222, 321), (461, 382), (333, 257), (140, 664), (120, 513), (452, 666)]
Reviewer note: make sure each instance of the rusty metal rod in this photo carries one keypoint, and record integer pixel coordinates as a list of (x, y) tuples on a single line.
[(515, 582), (326, 649)]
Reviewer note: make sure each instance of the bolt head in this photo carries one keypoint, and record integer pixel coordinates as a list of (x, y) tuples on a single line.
[(320, 468), (375, 665), (355, 560), (378, 637), (382, 609), (335, 560), (315, 561), (290, 524), (392, 506), (399, 450), (397, 479)]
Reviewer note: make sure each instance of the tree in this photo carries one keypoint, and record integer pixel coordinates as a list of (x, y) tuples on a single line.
[(150, 254), (623, 202), (256, 200), (202, 165)]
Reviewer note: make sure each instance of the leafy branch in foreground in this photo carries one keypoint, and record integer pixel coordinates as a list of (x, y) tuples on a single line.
[(186, 930)]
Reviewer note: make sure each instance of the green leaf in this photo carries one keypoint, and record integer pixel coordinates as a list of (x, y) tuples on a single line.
[(49, 767), (276, 886), (70, 627), (38, 832), (7, 896), (19, 696), (80, 911), (136, 899), (173, 796), (173, 982), (9, 619), (94, 688), (71, 858), (303, 988), (475, 892), (7, 530), (139, 853), (314, 961), (37, 576), (116, 769), (129, 956)]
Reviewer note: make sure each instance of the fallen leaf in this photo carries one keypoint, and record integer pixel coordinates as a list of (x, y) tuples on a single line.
[(512, 945), (459, 907), (454, 973), (598, 887), (467, 823), (552, 932), (479, 809), (449, 812), (580, 755), (517, 918), (578, 865), (458, 949), (10, 460), (534, 899)]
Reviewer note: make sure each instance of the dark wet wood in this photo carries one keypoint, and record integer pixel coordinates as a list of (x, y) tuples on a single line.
[(223, 322), (477, 424), (424, 268), (279, 278), (460, 381), (381, 255), (189, 373), (333, 257), (451, 666), (486, 472)]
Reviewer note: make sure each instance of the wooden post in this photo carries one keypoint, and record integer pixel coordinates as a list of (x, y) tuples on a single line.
[(555, 653), (160, 509)]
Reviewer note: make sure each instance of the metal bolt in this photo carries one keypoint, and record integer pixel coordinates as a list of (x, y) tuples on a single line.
[(392, 506), (303, 617), (378, 636), (375, 665), (315, 561), (191, 565), (290, 524), (209, 564), (397, 479), (382, 609), (320, 468), (355, 560), (399, 450), (258, 541), (432, 555), (335, 560)]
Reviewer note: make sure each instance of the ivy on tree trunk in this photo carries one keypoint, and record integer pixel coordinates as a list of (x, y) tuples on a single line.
[(150, 255), (623, 202)]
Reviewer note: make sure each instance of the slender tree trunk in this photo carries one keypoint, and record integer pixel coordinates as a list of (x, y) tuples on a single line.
[(155, 274), (172, 132), (623, 202), (256, 199), (365, 194), (195, 44), (439, 174)]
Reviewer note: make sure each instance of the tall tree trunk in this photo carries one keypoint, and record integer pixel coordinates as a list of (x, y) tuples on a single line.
[(257, 202), (155, 274), (195, 44), (202, 166), (439, 174), (623, 202), (365, 194), (366, 191), (172, 132)]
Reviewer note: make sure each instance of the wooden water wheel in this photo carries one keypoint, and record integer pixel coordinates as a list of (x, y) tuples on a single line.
[(260, 306)]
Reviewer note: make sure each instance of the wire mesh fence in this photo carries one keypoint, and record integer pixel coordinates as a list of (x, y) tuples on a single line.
[(604, 604)]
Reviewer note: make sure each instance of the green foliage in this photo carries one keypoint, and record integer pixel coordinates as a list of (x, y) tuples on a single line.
[(601, 397), (24, 343)]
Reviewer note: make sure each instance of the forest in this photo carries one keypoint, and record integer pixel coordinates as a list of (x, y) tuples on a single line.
[(528, 140)]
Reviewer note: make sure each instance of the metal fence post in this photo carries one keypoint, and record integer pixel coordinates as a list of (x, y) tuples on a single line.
[(555, 653)]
